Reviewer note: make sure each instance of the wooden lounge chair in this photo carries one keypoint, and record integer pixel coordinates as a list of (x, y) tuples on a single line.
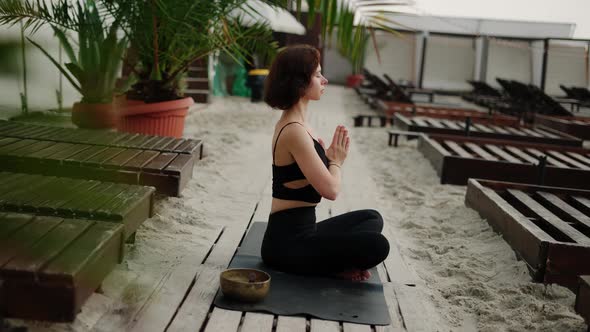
[(548, 227), (458, 158), (574, 125), (538, 134)]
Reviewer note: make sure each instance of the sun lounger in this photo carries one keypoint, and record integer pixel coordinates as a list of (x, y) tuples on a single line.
[(537, 134), (576, 126), (458, 158), (548, 227), (49, 266)]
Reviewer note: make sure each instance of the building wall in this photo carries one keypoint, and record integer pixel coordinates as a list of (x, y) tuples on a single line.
[(450, 61), (567, 65), (397, 55), (509, 59)]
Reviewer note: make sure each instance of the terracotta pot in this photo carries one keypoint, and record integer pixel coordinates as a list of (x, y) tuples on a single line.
[(162, 119), (95, 116), (354, 80)]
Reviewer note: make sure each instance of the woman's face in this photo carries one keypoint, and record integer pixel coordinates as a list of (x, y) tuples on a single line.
[(317, 85)]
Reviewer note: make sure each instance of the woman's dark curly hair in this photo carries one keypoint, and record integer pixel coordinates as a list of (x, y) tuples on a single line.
[(290, 75)]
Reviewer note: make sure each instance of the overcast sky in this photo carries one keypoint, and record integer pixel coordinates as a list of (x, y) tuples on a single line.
[(562, 11)]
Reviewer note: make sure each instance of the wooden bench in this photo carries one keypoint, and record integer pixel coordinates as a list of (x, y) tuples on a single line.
[(394, 135), (49, 266), (168, 172), (583, 298), (549, 227), (537, 134), (458, 158), (101, 138), (128, 205), (359, 120)]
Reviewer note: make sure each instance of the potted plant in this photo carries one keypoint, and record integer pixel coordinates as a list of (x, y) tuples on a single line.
[(93, 68), (166, 37)]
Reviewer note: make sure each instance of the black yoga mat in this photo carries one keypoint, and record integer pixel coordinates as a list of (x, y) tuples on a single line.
[(320, 297)]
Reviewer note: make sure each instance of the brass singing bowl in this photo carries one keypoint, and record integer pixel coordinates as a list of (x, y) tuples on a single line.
[(248, 285)]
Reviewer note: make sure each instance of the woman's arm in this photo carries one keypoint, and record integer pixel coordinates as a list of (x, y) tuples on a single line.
[(326, 181)]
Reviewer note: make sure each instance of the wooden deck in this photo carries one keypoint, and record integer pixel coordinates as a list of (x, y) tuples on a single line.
[(537, 134), (549, 227), (457, 158)]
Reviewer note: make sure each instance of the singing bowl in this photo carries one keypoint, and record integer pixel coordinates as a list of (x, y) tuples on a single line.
[(247, 285)]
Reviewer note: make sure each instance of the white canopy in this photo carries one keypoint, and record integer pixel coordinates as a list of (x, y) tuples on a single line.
[(280, 20)]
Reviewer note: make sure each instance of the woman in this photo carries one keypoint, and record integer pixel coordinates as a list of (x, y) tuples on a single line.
[(304, 171)]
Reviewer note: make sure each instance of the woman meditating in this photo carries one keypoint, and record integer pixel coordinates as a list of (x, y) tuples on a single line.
[(304, 171)]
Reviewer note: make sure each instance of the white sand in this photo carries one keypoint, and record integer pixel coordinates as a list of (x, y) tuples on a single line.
[(473, 276)]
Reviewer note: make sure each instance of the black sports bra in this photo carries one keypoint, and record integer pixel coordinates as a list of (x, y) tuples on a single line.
[(292, 172)]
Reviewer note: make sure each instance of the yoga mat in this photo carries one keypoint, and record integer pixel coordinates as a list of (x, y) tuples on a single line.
[(320, 297)]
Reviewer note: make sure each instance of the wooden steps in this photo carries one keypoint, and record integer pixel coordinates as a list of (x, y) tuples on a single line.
[(106, 138), (49, 266), (128, 205), (549, 227), (146, 164)]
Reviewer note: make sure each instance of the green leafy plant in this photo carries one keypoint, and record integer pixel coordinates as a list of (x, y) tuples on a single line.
[(93, 69), (167, 36)]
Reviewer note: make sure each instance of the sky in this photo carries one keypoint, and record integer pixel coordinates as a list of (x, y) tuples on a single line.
[(558, 11)]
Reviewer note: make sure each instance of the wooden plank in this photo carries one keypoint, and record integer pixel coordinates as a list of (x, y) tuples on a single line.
[(7, 140), (481, 152), (550, 160), (26, 236), (158, 164), (318, 325), (189, 146), (39, 145), (291, 324), (482, 128), (165, 141), (121, 159), (499, 129), (546, 133), (351, 327), (50, 150), (140, 160), (397, 324), (68, 152), (26, 264), (84, 155), (457, 149), (579, 157), (16, 145), (412, 310), (531, 132), (572, 162), (522, 154), (102, 156), (260, 322), (450, 124), (581, 203), (12, 222), (549, 217), (502, 154), (156, 313), (515, 131), (563, 210), (223, 320), (434, 123), (419, 122)]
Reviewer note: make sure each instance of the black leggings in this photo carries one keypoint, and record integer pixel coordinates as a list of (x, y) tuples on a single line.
[(295, 243)]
